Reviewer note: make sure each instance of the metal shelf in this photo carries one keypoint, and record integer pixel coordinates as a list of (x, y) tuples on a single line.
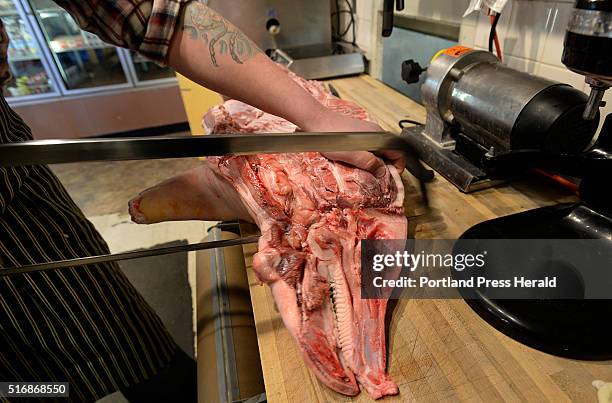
[(51, 10), (23, 58), (76, 49)]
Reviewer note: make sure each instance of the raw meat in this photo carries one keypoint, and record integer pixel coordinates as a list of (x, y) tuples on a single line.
[(312, 212)]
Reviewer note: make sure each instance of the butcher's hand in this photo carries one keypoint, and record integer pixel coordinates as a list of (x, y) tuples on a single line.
[(335, 122)]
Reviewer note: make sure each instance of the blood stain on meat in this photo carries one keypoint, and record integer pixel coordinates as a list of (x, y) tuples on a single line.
[(312, 213)]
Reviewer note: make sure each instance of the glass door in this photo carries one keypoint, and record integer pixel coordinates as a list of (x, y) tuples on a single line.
[(84, 61), (30, 72), (145, 71)]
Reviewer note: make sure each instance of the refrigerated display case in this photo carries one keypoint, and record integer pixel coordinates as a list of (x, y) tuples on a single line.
[(146, 72), (82, 59), (84, 85), (30, 76)]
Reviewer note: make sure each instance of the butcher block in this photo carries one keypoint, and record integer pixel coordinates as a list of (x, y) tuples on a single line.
[(438, 350)]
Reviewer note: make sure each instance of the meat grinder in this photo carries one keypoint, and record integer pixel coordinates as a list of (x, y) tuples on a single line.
[(487, 123)]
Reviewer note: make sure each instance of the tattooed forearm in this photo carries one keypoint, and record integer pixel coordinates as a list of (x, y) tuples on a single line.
[(218, 34)]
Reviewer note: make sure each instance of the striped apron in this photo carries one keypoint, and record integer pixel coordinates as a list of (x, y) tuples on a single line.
[(86, 326)]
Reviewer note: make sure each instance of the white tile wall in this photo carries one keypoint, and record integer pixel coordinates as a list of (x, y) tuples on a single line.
[(554, 41), (467, 34), (528, 29), (521, 64), (364, 33), (469, 20), (365, 9), (560, 74)]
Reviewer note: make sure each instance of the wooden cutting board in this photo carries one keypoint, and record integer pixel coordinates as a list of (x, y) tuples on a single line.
[(440, 350)]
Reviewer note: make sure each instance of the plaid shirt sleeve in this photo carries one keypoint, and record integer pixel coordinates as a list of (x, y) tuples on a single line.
[(145, 26)]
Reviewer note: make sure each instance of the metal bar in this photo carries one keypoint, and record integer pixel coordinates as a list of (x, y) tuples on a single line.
[(223, 389), (84, 261), (67, 151), (224, 339)]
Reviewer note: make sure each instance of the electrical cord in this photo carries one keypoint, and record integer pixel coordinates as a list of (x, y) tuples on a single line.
[(350, 6), (493, 35), (558, 179), (340, 36), (343, 34), (492, 31)]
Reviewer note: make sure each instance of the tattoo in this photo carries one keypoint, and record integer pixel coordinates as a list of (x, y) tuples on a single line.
[(220, 35)]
